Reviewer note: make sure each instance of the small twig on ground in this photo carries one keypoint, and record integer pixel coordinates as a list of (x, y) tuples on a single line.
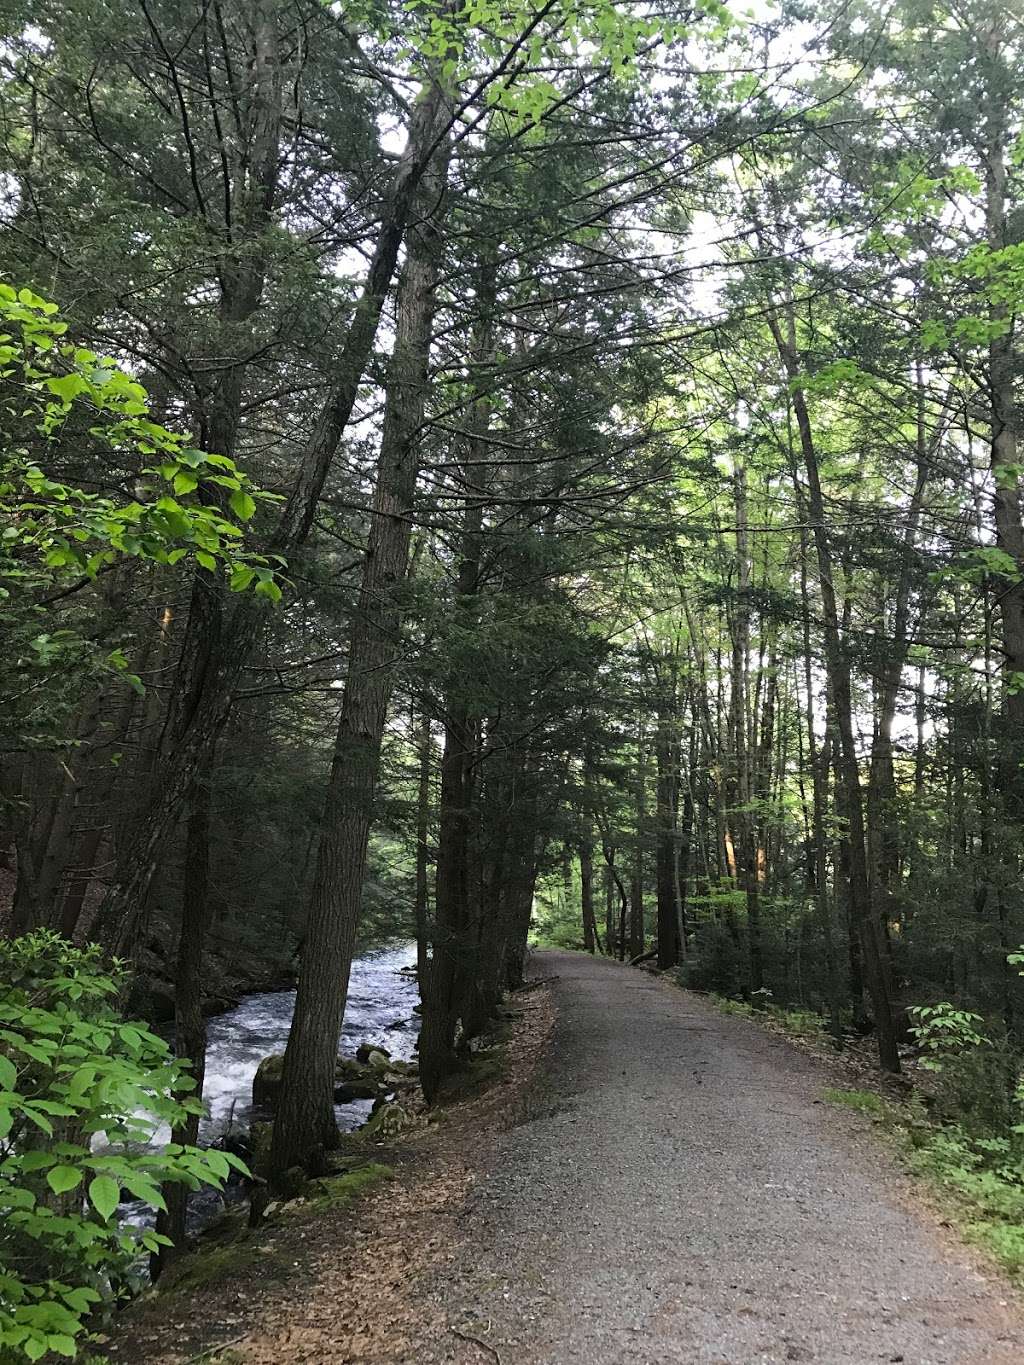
[(212, 1352), (466, 1336)]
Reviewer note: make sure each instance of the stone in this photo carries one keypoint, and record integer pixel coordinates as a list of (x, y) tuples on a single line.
[(266, 1084), (292, 1183), (365, 1051), (350, 1091), (389, 1121)]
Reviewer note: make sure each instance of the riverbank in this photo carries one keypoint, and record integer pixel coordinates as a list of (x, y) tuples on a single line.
[(327, 1279)]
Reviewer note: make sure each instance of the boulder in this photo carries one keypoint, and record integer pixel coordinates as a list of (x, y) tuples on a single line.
[(266, 1084), (152, 998), (365, 1051), (349, 1091), (388, 1122)]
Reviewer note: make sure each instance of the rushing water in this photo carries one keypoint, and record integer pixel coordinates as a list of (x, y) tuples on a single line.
[(381, 1000), (380, 1009)]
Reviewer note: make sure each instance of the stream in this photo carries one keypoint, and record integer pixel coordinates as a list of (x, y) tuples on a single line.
[(380, 1009)]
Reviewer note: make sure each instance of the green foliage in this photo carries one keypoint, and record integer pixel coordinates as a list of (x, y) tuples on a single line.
[(455, 41), (718, 963), (798, 1023), (56, 394), (81, 1092), (861, 1101), (944, 1032), (987, 1177), (977, 1088), (983, 1170)]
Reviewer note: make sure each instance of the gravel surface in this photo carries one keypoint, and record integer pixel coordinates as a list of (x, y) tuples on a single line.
[(679, 1192)]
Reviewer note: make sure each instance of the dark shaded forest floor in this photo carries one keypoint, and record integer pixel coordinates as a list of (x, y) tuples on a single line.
[(666, 1186)]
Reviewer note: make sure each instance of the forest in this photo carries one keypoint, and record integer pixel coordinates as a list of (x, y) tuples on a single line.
[(488, 475)]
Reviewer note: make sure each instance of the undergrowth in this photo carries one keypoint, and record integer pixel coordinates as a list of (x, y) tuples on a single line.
[(799, 1023), (962, 1129), (862, 1101), (979, 1176)]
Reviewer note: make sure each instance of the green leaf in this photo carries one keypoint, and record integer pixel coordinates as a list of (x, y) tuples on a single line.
[(105, 1195), (241, 577), (63, 1178), (67, 387), (242, 504), (8, 1074), (267, 588), (206, 560)]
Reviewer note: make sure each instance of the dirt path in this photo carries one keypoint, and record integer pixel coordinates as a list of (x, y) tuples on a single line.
[(665, 1185), (682, 1195)]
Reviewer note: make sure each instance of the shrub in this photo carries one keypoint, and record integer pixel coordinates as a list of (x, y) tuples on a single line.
[(82, 1092), (942, 1032), (718, 963)]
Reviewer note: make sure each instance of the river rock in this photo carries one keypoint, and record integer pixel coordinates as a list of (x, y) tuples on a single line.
[(161, 1002), (388, 1122), (350, 1091), (365, 1051), (267, 1082)]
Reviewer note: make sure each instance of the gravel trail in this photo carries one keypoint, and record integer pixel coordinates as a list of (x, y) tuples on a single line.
[(679, 1193)]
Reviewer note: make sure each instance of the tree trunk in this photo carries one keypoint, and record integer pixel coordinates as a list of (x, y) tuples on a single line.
[(422, 901), (636, 886), (586, 852), (838, 667), (453, 946), (189, 745), (305, 1122), (666, 757), (1002, 370), (743, 738)]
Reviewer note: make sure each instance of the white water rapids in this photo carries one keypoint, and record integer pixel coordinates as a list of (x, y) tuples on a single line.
[(380, 1009)]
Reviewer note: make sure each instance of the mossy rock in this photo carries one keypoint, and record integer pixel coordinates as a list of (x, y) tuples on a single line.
[(334, 1191), (478, 1072), (292, 1183), (390, 1121), (216, 1260), (266, 1084), (348, 1069)]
